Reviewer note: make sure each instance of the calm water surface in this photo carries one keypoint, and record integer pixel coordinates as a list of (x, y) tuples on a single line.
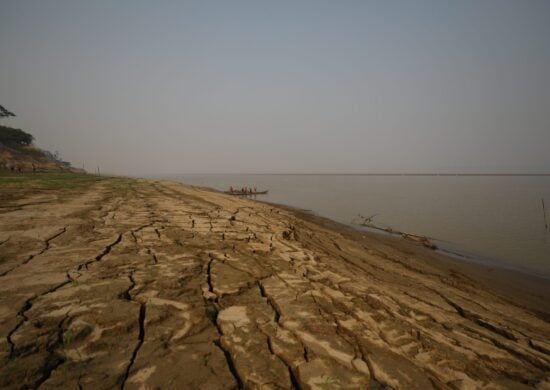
[(492, 219)]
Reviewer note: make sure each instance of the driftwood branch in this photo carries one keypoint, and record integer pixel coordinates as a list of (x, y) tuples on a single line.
[(367, 222)]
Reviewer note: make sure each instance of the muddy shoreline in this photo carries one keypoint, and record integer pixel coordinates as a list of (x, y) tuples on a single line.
[(516, 285), (127, 283)]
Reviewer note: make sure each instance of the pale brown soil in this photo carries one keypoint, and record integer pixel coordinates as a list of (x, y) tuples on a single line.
[(154, 285)]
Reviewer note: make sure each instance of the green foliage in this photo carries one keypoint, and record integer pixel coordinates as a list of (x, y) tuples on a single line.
[(46, 180), (329, 382), (5, 113), (35, 153), (68, 337), (14, 137)]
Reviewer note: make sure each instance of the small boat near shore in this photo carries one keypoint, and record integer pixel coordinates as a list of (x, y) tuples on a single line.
[(241, 193)]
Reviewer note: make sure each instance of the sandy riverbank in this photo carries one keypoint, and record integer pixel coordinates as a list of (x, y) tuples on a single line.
[(140, 284)]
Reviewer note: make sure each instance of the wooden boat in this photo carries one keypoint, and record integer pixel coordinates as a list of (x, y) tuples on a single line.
[(240, 193)]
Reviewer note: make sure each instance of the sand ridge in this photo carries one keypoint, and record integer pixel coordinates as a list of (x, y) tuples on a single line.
[(143, 284)]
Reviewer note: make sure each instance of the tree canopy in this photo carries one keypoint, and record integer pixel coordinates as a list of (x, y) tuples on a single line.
[(5, 113), (14, 137)]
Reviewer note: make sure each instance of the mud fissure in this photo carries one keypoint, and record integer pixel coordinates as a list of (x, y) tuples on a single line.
[(230, 363), (22, 313), (141, 337), (29, 258), (54, 359), (103, 253)]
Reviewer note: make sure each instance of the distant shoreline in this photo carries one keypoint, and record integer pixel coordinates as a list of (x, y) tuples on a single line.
[(363, 174), (416, 174)]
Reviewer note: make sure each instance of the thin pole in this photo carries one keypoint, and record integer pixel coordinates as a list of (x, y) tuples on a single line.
[(544, 213)]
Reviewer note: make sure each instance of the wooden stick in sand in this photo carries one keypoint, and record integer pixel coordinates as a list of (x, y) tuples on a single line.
[(544, 214)]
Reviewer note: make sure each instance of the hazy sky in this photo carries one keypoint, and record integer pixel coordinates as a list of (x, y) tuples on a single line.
[(145, 87)]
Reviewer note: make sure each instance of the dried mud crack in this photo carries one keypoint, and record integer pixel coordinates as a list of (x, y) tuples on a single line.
[(30, 257), (150, 284), (141, 336)]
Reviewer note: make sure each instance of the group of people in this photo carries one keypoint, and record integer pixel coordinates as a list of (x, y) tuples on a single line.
[(243, 190)]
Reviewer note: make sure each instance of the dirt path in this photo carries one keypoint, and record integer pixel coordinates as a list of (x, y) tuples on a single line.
[(140, 284)]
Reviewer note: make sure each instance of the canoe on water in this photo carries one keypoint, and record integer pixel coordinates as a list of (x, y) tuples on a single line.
[(246, 193)]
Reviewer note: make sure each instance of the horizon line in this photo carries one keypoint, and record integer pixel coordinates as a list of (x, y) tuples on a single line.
[(371, 174)]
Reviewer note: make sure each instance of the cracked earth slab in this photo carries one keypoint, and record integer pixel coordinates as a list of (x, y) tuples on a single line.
[(140, 284)]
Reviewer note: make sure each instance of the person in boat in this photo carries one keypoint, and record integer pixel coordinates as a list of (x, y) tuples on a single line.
[(255, 190), (231, 189)]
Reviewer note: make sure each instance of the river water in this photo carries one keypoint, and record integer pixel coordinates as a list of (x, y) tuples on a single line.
[(492, 219)]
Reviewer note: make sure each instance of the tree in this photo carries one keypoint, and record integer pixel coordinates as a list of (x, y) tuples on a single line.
[(5, 113), (14, 137)]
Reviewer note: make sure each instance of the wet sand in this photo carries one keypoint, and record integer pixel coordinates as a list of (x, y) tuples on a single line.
[(123, 283)]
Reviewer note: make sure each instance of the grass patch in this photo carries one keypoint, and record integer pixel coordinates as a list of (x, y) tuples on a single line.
[(46, 180), (62, 185), (15, 186)]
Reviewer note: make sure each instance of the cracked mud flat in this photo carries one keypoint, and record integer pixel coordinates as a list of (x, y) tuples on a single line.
[(136, 284)]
